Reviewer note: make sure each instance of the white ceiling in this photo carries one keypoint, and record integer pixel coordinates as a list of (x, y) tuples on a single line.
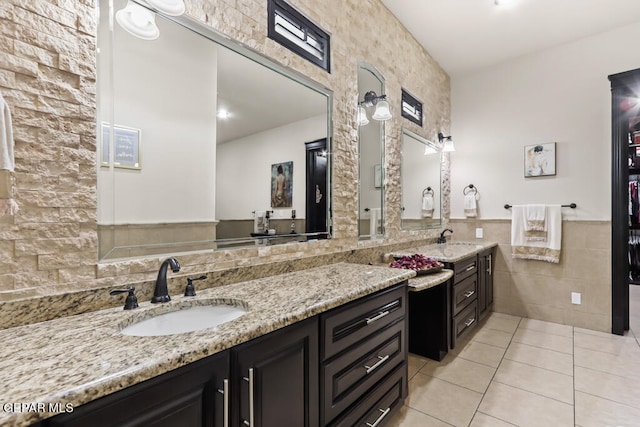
[(466, 35)]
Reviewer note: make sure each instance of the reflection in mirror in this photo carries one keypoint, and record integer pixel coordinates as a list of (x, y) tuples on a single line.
[(421, 183), (205, 144), (371, 160)]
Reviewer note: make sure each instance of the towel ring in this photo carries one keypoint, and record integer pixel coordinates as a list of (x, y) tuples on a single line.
[(471, 188), (427, 190)]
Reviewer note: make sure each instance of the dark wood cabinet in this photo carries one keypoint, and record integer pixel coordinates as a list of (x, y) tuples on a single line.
[(277, 378), (463, 297), (364, 351), (430, 321), (190, 396), (486, 262)]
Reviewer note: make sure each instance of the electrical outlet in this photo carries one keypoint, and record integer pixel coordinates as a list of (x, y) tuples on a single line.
[(576, 298), (479, 233)]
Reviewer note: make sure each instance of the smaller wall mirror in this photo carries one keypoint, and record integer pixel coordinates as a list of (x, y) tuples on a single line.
[(421, 183), (371, 159)]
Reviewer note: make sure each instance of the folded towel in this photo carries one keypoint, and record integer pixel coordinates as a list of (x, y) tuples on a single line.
[(470, 207), (427, 206), (535, 217), (374, 221), (8, 205), (547, 250)]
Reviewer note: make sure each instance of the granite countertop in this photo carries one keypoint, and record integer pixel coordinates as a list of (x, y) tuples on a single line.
[(447, 252), (427, 281), (77, 359)]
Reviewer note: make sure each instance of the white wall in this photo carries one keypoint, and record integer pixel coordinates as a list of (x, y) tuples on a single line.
[(560, 94), (244, 169)]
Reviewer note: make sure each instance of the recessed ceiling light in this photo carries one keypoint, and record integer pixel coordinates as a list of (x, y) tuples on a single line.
[(223, 114)]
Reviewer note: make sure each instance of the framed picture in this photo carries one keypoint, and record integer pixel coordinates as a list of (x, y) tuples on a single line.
[(126, 146), (411, 108), (377, 176), (282, 185), (540, 160)]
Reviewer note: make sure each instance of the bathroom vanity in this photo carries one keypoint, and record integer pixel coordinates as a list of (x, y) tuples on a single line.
[(320, 346)]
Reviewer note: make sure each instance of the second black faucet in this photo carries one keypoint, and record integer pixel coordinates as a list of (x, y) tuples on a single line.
[(442, 238), (161, 293)]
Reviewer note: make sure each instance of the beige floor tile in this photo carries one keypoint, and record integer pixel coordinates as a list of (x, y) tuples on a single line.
[(485, 354), (540, 357), (502, 323), (493, 337), (536, 380), (442, 400), (592, 411), (484, 420), (525, 409), (461, 372), (606, 362), (547, 327), (624, 346), (540, 339), (619, 389), (408, 417), (416, 362)]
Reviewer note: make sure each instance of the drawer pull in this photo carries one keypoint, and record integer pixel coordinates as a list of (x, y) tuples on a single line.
[(225, 393), (377, 364), (380, 418), (250, 380), (470, 322), (377, 317), (471, 267), (469, 293)]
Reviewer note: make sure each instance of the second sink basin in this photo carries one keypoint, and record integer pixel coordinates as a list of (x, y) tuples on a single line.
[(184, 320)]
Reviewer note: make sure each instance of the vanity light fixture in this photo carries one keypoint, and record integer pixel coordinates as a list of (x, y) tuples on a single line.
[(448, 142), (381, 112), (168, 7), (428, 149), (138, 21)]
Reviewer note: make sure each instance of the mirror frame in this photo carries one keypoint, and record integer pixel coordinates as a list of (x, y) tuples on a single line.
[(406, 132), (246, 51), (370, 68)]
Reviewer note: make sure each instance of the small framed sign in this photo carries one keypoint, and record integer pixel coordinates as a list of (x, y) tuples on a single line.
[(411, 108), (126, 146)]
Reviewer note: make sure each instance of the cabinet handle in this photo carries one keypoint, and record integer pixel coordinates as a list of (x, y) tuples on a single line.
[(377, 364), (471, 267), (377, 317), (380, 418), (469, 293), (249, 379), (490, 255), (225, 410), (470, 322)]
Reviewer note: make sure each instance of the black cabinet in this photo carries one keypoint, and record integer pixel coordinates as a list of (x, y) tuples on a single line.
[(191, 396), (485, 282), (363, 371), (430, 321), (463, 297), (277, 378)]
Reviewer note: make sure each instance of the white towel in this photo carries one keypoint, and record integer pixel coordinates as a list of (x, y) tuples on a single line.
[(258, 222), (374, 221), (470, 207), (548, 250), (8, 205), (7, 161), (427, 206), (535, 222)]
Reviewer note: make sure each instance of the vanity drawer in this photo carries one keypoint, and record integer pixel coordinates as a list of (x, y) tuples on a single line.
[(463, 293), (352, 374), (465, 268), (464, 322), (347, 325), (379, 403)]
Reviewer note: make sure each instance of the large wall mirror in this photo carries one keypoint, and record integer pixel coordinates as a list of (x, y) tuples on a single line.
[(421, 183), (370, 160), (204, 144)]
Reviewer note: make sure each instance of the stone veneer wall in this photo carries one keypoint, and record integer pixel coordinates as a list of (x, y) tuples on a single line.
[(542, 290), (47, 76)]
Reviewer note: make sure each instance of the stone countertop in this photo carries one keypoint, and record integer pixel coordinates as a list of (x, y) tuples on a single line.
[(427, 281), (77, 359), (446, 252)]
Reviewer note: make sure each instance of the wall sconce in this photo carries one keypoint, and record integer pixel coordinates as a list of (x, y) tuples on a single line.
[(141, 22), (381, 112), (448, 142)]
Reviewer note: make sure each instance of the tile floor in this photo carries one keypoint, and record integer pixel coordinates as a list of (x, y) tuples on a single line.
[(521, 372)]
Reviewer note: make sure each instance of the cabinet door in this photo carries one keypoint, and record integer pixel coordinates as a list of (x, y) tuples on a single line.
[(184, 397), (277, 378)]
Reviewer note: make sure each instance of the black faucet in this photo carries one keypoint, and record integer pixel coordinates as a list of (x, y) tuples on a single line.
[(161, 293), (442, 238)]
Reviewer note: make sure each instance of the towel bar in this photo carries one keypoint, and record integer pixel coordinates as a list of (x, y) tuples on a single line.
[(571, 205)]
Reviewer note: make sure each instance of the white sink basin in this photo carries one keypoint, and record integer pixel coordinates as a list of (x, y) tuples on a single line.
[(184, 320)]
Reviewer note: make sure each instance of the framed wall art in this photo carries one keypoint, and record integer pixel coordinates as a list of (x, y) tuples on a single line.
[(540, 160)]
